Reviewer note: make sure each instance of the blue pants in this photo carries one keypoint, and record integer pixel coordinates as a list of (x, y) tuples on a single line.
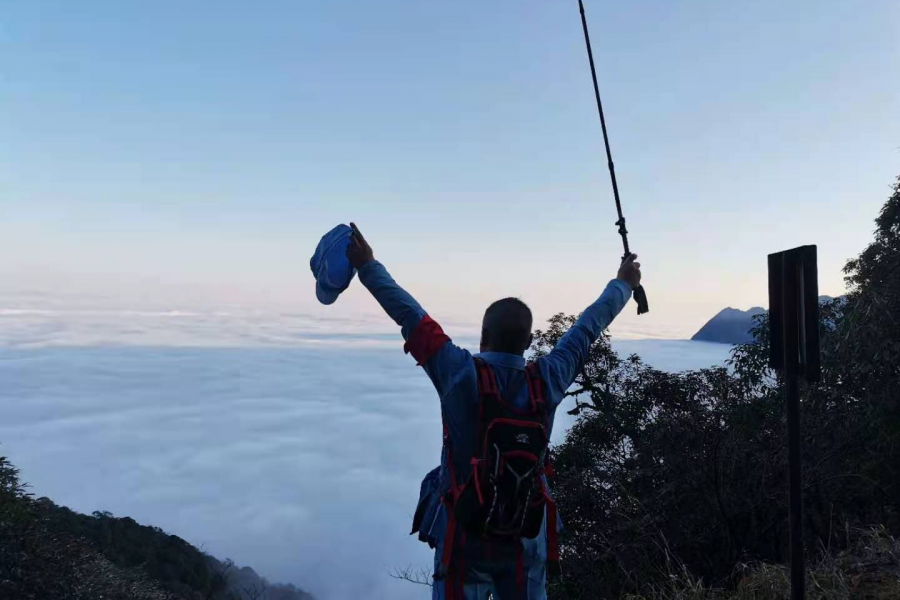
[(497, 578)]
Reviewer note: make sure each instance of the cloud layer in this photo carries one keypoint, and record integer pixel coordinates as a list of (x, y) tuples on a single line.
[(287, 443)]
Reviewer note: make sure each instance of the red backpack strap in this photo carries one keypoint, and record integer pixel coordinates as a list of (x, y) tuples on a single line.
[(445, 572), (552, 533), (452, 572), (443, 575), (446, 575), (488, 390), (538, 398), (536, 387), (487, 381)]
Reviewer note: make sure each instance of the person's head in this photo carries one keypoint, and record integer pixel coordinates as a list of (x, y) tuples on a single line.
[(506, 327)]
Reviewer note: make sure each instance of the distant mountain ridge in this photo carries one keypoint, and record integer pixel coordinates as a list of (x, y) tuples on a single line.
[(732, 325), (729, 326)]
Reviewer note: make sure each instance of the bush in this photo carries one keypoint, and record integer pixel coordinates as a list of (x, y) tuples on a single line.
[(690, 468), (48, 552)]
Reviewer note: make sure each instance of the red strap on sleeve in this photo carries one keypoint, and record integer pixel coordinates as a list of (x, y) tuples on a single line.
[(425, 340)]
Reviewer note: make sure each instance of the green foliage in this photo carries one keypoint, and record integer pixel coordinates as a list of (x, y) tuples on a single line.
[(11, 488), (34, 561), (48, 552), (179, 567), (689, 468)]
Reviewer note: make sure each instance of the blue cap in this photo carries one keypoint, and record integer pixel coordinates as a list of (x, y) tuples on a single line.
[(330, 265)]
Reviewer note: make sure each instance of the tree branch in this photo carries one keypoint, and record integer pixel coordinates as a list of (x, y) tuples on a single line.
[(420, 576)]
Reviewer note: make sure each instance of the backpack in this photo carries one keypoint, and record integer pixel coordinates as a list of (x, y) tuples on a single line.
[(505, 496)]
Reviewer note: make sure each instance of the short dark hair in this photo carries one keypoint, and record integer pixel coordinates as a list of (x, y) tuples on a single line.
[(507, 326)]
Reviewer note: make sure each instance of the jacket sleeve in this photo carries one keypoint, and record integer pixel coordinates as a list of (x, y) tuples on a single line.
[(444, 361), (567, 359)]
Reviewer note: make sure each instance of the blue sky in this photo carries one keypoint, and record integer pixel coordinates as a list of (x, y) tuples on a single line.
[(185, 153)]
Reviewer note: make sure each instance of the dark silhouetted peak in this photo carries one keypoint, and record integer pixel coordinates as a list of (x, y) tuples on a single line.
[(732, 325), (729, 326)]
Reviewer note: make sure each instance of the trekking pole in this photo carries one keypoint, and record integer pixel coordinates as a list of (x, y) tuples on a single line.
[(640, 296)]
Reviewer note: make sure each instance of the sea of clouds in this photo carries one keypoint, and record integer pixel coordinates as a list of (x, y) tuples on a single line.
[(287, 442)]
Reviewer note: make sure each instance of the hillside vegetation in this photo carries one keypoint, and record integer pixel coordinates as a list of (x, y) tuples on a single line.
[(674, 485), (48, 552)]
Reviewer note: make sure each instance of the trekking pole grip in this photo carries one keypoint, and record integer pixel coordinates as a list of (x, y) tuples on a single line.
[(640, 296)]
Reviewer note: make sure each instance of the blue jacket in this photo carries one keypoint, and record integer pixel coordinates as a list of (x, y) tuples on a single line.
[(452, 371)]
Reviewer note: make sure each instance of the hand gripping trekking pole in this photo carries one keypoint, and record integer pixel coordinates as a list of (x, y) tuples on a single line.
[(639, 295)]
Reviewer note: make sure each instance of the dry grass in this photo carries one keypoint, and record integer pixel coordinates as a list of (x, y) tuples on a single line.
[(868, 570)]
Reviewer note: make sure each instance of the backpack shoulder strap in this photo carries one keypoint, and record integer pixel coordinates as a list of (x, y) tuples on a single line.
[(536, 387), (450, 571), (489, 394), (487, 381), (490, 391)]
